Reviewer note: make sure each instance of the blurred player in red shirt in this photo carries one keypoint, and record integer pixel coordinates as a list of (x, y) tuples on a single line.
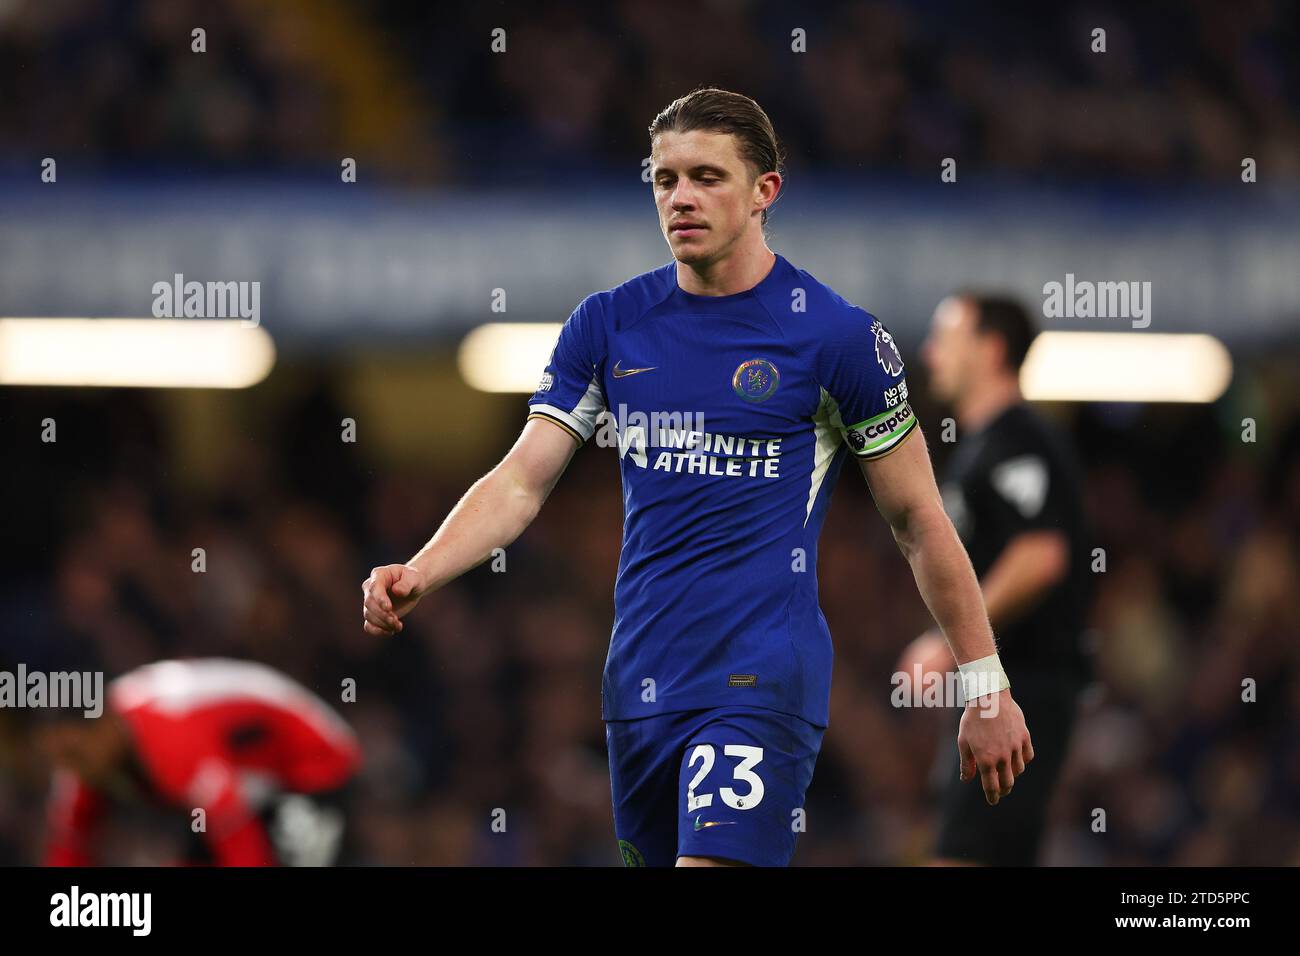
[(265, 759)]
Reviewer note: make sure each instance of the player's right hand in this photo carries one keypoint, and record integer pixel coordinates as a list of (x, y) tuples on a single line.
[(390, 593)]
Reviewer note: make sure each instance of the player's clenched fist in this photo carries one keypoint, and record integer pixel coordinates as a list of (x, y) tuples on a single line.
[(390, 593), (994, 741)]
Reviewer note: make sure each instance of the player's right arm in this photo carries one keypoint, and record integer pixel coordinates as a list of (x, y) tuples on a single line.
[(501, 504), (492, 514)]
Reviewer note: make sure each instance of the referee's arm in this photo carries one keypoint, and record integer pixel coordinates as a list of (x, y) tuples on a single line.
[(1032, 563)]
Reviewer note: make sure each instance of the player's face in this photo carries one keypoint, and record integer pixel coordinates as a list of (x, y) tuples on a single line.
[(700, 179), (951, 350)]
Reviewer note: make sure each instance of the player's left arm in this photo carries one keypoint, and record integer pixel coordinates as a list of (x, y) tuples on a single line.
[(995, 740), (860, 370), (903, 486)]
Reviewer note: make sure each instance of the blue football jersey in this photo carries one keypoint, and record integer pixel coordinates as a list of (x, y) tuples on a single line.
[(731, 416)]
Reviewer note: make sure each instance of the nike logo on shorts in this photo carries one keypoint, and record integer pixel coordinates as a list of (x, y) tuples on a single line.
[(700, 824)]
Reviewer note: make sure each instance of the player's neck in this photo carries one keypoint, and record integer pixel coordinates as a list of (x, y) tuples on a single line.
[(982, 405), (738, 272)]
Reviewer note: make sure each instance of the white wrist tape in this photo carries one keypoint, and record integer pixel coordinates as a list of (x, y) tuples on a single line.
[(983, 677)]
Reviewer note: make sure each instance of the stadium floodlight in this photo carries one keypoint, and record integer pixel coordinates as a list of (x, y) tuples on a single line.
[(139, 353), (1125, 367), (507, 356)]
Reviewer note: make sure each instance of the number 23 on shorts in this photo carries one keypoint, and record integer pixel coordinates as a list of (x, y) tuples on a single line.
[(705, 755)]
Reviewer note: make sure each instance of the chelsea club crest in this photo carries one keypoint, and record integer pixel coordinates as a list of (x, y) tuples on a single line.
[(755, 380)]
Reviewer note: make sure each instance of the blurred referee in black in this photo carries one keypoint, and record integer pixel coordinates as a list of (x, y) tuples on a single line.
[(1012, 489)]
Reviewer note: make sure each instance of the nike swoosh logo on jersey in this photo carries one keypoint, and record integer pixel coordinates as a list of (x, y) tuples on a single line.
[(622, 372)]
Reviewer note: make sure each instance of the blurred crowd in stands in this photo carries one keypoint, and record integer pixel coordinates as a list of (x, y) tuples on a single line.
[(490, 698), (418, 94)]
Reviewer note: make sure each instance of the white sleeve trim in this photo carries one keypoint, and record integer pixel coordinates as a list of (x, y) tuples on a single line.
[(583, 417)]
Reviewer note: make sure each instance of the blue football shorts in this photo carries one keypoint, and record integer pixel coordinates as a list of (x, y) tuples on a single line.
[(726, 782)]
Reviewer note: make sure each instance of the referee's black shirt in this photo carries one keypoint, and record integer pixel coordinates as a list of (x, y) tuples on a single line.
[(1016, 474)]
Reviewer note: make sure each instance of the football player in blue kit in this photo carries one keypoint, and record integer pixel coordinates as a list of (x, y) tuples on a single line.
[(735, 386)]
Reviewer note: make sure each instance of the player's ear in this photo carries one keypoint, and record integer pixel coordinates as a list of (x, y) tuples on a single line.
[(766, 188)]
